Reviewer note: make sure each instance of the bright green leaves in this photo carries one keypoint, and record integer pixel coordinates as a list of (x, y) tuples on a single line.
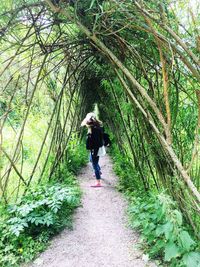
[(192, 259), (43, 219), (92, 4), (17, 225), (171, 251), (157, 248), (105, 6), (25, 209), (185, 240), (27, 226), (41, 207), (166, 229), (178, 216), (161, 225)]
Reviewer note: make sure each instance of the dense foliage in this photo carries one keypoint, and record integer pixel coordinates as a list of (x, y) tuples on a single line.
[(46, 209), (165, 234), (161, 225), (137, 59)]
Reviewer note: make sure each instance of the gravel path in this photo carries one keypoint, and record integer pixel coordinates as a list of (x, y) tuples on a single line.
[(100, 237)]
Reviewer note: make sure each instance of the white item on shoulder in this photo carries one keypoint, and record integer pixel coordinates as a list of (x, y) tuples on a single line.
[(101, 151)]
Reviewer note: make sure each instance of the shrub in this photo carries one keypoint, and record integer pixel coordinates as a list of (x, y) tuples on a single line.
[(77, 156), (162, 228), (129, 179), (28, 225)]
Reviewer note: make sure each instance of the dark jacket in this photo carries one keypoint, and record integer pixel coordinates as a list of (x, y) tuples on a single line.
[(95, 139)]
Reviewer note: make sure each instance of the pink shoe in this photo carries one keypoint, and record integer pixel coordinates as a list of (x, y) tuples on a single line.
[(96, 185)]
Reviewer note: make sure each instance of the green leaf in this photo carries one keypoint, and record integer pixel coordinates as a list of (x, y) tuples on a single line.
[(186, 240), (166, 229), (159, 230), (92, 3), (101, 7), (178, 217), (192, 259), (157, 247), (136, 224), (171, 251)]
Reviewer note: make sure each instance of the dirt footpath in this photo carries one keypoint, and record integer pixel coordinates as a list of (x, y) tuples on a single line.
[(100, 237)]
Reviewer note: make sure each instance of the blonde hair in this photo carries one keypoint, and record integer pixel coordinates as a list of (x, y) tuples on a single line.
[(91, 120)]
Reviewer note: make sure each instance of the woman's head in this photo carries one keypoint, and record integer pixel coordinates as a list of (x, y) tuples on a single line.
[(91, 120)]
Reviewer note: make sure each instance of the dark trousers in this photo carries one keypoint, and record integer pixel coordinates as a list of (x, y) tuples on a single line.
[(95, 165)]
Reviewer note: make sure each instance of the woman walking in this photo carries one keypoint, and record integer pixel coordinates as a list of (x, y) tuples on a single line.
[(94, 143)]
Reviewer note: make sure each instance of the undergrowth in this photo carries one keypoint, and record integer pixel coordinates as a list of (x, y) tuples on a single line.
[(44, 211), (165, 236)]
